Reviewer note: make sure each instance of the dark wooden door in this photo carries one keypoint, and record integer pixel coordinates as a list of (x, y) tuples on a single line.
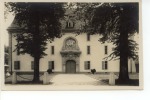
[(70, 66)]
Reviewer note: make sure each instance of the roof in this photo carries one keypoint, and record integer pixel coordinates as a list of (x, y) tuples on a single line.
[(15, 27)]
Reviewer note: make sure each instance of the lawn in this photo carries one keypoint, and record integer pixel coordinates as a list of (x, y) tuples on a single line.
[(27, 78), (104, 77)]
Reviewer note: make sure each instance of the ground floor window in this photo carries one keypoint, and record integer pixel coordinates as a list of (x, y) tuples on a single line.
[(104, 65), (87, 65), (32, 65), (16, 65), (51, 64)]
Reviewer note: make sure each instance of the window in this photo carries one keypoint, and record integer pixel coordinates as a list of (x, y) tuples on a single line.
[(18, 53), (18, 47), (32, 65), (16, 65), (88, 37), (104, 65), (51, 64), (87, 65), (106, 49), (88, 49), (52, 50), (70, 24)]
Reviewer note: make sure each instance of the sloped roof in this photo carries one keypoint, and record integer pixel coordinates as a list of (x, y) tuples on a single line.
[(16, 27)]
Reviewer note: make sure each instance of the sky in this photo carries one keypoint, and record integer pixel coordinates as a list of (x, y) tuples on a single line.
[(7, 23)]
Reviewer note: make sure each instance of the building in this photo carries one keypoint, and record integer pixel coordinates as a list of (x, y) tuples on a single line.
[(71, 53)]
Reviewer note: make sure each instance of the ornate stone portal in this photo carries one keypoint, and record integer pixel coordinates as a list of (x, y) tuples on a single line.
[(70, 52)]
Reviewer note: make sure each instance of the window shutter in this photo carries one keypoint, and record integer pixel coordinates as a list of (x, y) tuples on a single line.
[(103, 65), (17, 65), (85, 65), (52, 64), (106, 65), (106, 49), (17, 51), (88, 64)]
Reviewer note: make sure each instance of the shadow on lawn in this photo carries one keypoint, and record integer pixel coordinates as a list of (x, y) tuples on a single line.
[(29, 83), (131, 82), (25, 82)]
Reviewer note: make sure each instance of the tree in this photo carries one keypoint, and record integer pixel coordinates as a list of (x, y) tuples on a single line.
[(39, 22), (117, 23)]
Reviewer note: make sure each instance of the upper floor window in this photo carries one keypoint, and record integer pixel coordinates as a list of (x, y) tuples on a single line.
[(18, 53), (18, 47), (106, 49), (88, 50), (52, 50), (88, 37), (104, 65)]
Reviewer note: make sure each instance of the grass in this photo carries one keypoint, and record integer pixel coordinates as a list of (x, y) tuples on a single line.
[(26, 79), (104, 77)]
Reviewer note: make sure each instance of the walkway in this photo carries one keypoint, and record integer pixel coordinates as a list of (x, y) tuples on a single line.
[(74, 79)]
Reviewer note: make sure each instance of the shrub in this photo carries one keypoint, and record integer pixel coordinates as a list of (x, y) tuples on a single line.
[(49, 71), (93, 71)]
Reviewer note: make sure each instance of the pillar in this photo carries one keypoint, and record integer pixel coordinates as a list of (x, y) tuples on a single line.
[(14, 78), (45, 78), (112, 78)]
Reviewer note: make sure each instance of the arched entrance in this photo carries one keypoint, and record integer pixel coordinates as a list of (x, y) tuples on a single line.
[(70, 66), (70, 56)]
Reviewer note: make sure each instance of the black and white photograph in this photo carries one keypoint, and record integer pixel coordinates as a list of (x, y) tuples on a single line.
[(72, 46)]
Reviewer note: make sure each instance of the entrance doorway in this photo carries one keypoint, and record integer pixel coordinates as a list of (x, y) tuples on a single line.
[(70, 66)]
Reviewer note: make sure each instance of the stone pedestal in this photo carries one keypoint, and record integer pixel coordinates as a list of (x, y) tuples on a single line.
[(14, 78), (45, 78), (112, 78)]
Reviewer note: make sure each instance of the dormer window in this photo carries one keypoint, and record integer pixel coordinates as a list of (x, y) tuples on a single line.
[(70, 24)]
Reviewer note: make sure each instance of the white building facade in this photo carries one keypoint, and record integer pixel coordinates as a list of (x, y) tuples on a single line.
[(71, 53)]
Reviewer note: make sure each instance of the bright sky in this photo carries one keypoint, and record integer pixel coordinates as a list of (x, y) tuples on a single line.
[(7, 23)]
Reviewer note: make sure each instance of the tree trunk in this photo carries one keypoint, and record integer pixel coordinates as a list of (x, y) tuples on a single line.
[(36, 49), (36, 78), (36, 60), (123, 47)]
